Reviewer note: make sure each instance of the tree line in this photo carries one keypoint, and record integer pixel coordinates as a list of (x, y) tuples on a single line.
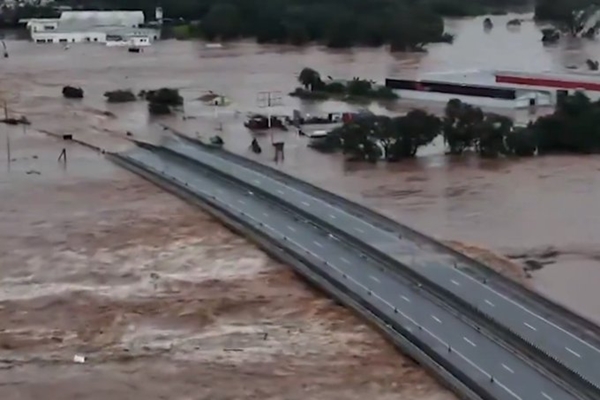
[(403, 24), (574, 127)]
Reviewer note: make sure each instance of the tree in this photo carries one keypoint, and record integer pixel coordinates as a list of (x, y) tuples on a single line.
[(310, 79), (223, 21), (521, 142), (490, 140), (575, 17), (460, 125), (414, 130)]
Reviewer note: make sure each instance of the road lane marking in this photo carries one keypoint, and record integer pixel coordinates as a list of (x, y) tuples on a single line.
[(291, 228), (241, 202), (331, 216), (522, 307), (265, 214), (433, 335), (490, 303), (405, 299), (318, 244), (493, 291), (506, 367), (256, 181), (455, 282), (454, 351), (374, 278), (305, 203), (359, 230), (573, 352), (470, 342), (533, 328), (546, 396), (439, 321), (344, 260)]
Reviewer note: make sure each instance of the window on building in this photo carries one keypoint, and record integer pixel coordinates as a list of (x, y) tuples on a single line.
[(62, 40), (95, 39), (40, 41), (87, 39), (48, 27)]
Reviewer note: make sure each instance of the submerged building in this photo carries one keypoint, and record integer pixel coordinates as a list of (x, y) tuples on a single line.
[(113, 28)]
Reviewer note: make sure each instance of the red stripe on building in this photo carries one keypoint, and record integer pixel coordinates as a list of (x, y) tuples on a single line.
[(547, 82)]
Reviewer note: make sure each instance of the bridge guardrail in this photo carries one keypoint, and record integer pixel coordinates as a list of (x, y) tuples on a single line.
[(455, 379), (505, 336), (569, 316)]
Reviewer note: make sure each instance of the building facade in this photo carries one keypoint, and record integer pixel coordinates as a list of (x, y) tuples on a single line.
[(113, 28)]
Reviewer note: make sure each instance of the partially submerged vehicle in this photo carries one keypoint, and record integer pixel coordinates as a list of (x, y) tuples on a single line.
[(258, 122)]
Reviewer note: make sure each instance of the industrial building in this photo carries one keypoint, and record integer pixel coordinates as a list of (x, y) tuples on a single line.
[(113, 28), (504, 89)]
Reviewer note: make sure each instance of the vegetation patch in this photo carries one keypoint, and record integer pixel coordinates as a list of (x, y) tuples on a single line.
[(314, 88), (120, 96), (72, 92), (574, 127), (162, 101)]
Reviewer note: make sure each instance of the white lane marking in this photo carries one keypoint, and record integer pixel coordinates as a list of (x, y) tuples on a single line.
[(490, 303), (481, 284), (256, 181), (344, 260), (374, 278), (454, 351), (305, 203), (546, 396), (522, 307), (265, 214), (573, 352), (533, 328), (506, 367), (455, 282), (470, 342), (439, 321), (331, 216), (359, 230), (405, 299), (318, 244), (241, 202), (291, 228)]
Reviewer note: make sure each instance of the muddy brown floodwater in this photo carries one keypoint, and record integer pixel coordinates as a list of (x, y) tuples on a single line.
[(96, 262)]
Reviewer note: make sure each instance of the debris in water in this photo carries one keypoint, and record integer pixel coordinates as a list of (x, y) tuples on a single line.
[(78, 359)]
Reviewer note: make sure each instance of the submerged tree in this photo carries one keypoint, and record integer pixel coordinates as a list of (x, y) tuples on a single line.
[(574, 17)]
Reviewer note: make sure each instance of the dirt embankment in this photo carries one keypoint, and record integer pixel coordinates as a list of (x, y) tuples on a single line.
[(497, 262)]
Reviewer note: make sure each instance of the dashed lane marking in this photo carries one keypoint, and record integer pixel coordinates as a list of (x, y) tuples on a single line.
[(573, 352)]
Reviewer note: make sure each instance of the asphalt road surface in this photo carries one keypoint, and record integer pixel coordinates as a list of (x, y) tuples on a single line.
[(571, 350), (475, 354)]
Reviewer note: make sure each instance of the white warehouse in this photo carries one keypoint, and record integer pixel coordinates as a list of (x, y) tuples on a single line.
[(110, 27)]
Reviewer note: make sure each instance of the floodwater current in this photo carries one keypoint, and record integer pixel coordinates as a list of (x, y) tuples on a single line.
[(544, 210)]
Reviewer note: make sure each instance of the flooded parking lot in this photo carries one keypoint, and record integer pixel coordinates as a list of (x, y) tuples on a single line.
[(97, 262)]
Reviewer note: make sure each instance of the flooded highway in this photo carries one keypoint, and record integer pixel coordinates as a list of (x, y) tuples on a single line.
[(539, 212)]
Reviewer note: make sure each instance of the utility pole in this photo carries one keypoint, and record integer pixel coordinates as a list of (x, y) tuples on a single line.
[(8, 155)]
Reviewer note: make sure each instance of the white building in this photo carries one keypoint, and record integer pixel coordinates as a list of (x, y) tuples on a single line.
[(110, 27)]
